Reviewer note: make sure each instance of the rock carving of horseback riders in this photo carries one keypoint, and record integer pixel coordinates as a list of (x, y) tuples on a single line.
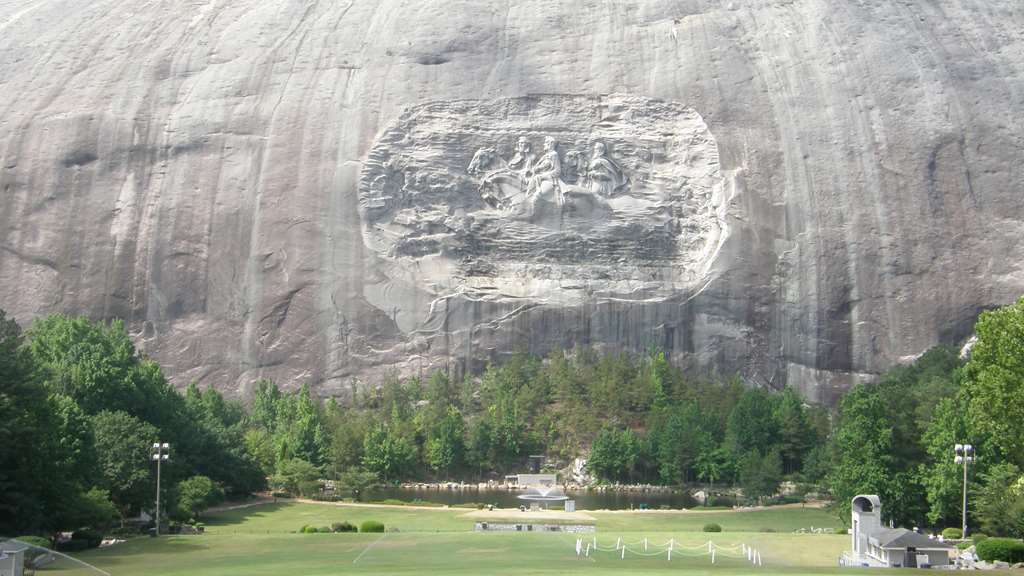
[(527, 178)]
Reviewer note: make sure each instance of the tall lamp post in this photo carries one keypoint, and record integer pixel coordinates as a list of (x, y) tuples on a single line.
[(160, 453), (964, 455)]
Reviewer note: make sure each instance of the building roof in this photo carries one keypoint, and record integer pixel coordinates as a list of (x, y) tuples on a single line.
[(892, 538)]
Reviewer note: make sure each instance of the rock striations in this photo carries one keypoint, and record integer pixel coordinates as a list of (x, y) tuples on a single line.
[(798, 191)]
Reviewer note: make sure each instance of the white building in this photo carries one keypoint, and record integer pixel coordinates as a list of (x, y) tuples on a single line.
[(532, 480), (12, 558), (877, 545)]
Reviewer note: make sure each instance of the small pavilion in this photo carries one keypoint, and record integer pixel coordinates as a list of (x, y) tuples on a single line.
[(877, 545)]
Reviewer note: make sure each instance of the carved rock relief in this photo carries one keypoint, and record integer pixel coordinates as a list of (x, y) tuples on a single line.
[(551, 197)]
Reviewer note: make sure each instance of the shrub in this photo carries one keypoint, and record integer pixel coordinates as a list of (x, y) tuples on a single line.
[(720, 501), (92, 538), (371, 526), (343, 527), (396, 502), (324, 530), (952, 533), (1005, 549), (72, 545), (712, 527), (979, 537), (964, 545), (308, 529), (35, 541)]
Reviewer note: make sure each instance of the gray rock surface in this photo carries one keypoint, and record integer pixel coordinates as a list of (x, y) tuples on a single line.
[(800, 191)]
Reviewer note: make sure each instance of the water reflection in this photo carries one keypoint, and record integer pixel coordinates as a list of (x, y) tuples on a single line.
[(587, 500)]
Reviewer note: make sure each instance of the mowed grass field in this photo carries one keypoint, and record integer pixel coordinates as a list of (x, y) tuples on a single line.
[(261, 540)]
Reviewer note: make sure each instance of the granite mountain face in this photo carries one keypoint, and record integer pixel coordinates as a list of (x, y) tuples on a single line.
[(801, 191)]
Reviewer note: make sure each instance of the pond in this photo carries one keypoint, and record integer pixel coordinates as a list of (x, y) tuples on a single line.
[(585, 500)]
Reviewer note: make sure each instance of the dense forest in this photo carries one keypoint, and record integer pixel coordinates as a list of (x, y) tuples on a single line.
[(80, 409)]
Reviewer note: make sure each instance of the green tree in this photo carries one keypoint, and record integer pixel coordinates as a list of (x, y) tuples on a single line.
[(939, 474), (259, 444), (387, 453), (796, 436), (479, 452), (123, 456), (265, 404), (1000, 501), (197, 494), (300, 430), (614, 455), (752, 424), (680, 441), (296, 476), (862, 449), (92, 509), (446, 445), (994, 381), (94, 364), (712, 465), (761, 475), (356, 480)]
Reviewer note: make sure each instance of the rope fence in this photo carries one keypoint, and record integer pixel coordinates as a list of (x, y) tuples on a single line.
[(585, 547)]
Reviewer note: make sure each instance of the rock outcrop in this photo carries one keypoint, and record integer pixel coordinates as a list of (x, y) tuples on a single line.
[(798, 191)]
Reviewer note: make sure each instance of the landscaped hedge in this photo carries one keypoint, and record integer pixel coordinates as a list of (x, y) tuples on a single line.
[(978, 537), (81, 540), (38, 542), (35, 541), (952, 533), (343, 527), (1005, 549), (712, 527), (371, 526)]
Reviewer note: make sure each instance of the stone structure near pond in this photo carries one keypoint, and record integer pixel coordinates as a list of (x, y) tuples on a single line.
[(876, 545), (336, 192)]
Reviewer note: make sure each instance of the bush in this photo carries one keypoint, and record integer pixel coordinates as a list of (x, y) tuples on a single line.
[(979, 537), (1005, 549), (387, 501), (92, 538), (307, 529), (72, 545), (35, 541), (343, 527), (324, 530), (963, 545), (712, 527), (720, 501), (952, 533), (371, 526)]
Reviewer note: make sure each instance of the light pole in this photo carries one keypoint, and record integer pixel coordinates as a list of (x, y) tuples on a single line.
[(160, 453), (964, 455)]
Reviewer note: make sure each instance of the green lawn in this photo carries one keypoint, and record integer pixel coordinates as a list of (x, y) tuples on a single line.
[(259, 541)]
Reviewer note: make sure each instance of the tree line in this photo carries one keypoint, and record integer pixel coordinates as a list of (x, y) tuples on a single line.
[(79, 412), (80, 407)]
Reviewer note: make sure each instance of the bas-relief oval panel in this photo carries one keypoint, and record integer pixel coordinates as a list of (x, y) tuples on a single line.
[(548, 199)]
